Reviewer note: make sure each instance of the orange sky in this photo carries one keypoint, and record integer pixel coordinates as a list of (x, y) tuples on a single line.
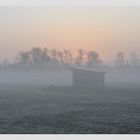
[(104, 29)]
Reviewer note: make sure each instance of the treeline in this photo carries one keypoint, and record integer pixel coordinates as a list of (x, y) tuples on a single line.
[(44, 56), (38, 57), (131, 61)]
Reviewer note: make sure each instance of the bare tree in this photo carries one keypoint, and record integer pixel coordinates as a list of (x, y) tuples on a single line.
[(45, 56), (60, 55), (79, 58), (57, 56), (134, 59), (67, 56), (24, 58), (36, 55), (5, 63), (54, 58), (93, 58), (120, 60)]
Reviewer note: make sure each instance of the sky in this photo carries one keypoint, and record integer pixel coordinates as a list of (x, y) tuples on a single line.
[(105, 29)]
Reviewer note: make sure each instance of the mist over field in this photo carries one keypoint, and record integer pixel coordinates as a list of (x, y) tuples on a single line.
[(43, 100), (50, 91), (69, 70), (37, 76), (62, 76)]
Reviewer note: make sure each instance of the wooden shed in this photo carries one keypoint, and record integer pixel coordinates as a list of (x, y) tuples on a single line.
[(88, 78)]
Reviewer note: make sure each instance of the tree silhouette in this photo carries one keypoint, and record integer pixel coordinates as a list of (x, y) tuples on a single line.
[(79, 58), (36, 55), (57, 56), (45, 56), (134, 59), (24, 58), (93, 58), (120, 60)]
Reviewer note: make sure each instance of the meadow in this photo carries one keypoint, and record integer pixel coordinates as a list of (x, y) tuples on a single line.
[(31, 109)]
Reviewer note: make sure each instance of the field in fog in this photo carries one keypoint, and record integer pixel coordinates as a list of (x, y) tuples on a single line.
[(43, 101), (41, 109), (54, 59), (49, 76), (62, 76)]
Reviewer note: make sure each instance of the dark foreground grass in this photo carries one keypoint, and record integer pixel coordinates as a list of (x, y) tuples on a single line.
[(42, 110)]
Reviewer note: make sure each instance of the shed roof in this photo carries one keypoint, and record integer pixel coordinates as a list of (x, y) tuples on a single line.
[(88, 69)]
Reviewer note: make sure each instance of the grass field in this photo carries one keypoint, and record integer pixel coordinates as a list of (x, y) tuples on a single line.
[(64, 110)]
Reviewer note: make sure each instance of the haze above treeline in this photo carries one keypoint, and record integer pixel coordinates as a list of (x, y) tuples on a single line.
[(105, 29)]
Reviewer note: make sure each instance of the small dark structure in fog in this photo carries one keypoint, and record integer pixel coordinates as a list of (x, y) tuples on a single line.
[(88, 78)]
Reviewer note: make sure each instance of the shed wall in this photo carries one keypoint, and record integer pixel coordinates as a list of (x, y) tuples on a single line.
[(88, 79)]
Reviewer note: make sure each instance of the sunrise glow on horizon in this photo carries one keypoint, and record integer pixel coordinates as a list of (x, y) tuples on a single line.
[(106, 30)]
